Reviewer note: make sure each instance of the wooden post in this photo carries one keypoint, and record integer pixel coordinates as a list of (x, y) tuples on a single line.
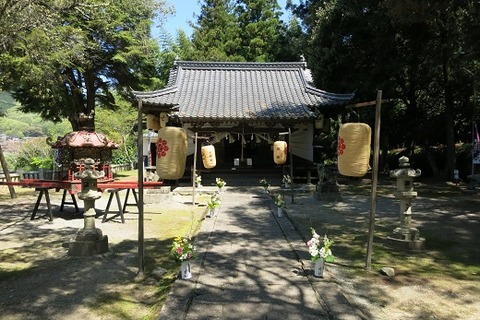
[(141, 246), (13, 195), (291, 162), (376, 151), (194, 171)]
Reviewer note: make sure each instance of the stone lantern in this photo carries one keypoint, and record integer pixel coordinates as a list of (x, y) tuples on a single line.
[(405, 236), (89, 240)]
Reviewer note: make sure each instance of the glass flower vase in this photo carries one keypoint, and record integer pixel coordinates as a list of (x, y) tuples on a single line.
[(185, 270), (279, 212), (319, 268)]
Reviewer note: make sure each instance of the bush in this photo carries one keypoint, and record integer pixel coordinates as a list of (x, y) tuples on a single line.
[(34, 154)]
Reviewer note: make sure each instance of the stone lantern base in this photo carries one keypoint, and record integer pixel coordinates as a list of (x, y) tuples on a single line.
[(406, 239), (88, 242)]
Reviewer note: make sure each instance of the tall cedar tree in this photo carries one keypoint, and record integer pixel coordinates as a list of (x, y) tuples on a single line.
[(242, 30), (216, 35), (260, 25)]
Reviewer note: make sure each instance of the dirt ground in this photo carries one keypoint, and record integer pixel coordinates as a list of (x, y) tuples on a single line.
[(43, 282), (65, 287), (442, 282)]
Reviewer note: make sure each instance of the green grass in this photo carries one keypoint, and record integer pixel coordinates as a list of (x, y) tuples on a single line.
[(19, 192), (169, 224), (445, 255)]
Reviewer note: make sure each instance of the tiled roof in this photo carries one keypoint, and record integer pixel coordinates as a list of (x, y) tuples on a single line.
[(242, 91)]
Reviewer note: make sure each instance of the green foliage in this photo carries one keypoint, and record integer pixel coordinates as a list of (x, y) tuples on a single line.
[(419, 53), (11, 160), (34, 154), (42, 162), (259, 22), (73, 56), (246, 30), (292, 41), (214, 201), (279, 201), (6, 102), (119, 125), (216, 35), (17, 124), (125, 155)]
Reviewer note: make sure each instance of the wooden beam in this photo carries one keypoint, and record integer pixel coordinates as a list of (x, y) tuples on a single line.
[(13, 195), (376, 152), (69, 185), (367, 103), (194, 171), (141, 228)]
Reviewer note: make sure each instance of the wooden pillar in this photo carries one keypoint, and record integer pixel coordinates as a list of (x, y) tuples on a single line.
[(141, 244), (13, 195), (376, 151)]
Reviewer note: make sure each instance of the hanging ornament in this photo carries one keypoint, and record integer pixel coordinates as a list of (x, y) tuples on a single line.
[(153, 122), (354, 149), (280, 152)]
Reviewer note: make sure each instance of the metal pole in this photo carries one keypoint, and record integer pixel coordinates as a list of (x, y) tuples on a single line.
[(376, 151), (194, 173), (141, 247)]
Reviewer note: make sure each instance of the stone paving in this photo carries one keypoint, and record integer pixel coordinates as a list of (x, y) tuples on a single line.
[(250, 267)]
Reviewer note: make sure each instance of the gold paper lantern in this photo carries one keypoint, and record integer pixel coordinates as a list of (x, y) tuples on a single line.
[(319, 121), (171, 152), (208, 156), (354, 149), (153, 122), (280, 152), (163, 119)]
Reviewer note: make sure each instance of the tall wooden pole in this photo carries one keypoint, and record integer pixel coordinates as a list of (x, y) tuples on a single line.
[(141, 247), (13, 195), (474, 126), (194, 171), (376, 151), (291, 162)]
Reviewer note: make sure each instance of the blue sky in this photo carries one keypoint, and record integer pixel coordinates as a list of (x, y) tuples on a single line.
[(184, 11)]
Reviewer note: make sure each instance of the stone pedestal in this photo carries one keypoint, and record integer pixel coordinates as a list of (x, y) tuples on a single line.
[(405, 236), (89, 240), (157, 195), (327, 187)]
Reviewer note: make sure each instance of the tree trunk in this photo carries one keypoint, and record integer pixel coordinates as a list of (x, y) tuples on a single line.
[(383, 161), (431, 159), (450, 128)]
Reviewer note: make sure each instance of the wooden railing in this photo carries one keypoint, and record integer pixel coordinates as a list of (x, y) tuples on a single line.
[(13, 176), (53, 174), (121, 167)]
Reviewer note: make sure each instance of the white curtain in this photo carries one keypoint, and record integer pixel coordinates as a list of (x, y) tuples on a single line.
[(302, 142), (191, 140)]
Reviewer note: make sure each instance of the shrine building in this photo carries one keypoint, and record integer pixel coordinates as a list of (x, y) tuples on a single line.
[(241, 108)]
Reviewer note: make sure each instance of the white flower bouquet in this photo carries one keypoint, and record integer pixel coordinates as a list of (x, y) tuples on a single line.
[(319, 248)]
